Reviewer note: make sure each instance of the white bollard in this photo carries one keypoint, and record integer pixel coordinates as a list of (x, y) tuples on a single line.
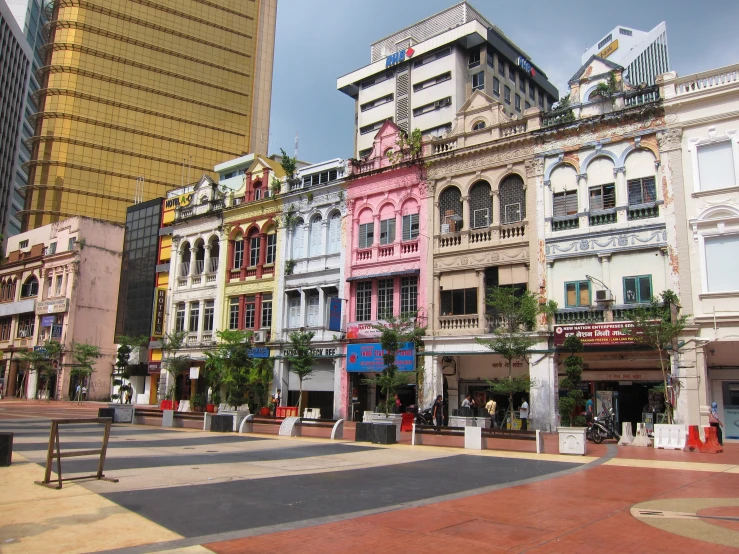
[(627, 438)]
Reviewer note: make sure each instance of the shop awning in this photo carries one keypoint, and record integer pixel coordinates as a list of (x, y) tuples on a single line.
[(388, 274)]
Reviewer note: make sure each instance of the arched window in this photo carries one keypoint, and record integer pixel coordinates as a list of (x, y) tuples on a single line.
[(316, 238), (199, 257), (238, 251), (214, 253), (512, 200), (185, 259), (254, 244), (479, 125), (297, 246), (271, 253), (30, 287), (481, 205), (334, 233), (258, 190), (450, 210)]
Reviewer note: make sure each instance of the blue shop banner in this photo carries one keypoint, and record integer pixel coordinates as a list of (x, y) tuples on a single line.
[(334, 314), (259, 352), (368, 357)]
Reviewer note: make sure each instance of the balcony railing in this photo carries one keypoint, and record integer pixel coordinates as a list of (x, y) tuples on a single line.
[(480, 236), (364, 255), (575, 315), (386, 252), (454, 322), (565, 223), (603, 217), (643, 96), (515, 231), (408, 247), (707, 80), (643, 211)]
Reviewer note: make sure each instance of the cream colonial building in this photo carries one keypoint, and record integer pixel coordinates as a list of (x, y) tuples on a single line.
[(484, 235), (312, 255), (703, 146)]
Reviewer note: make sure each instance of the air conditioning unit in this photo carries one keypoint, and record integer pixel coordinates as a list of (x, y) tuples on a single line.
[(603, 296), (260, 337)]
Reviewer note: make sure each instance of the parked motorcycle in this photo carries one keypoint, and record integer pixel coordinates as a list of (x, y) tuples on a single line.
[(602, 427), (425, 417)]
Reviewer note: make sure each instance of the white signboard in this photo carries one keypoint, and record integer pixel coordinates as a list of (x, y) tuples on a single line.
[(194, 372)]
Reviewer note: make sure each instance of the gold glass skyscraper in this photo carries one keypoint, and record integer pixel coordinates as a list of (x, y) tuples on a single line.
[(140, 96)]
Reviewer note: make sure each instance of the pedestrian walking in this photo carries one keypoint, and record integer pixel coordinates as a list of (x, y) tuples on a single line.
[(398, 404), (714, 421), (524, 415), (437, 412), (490, 407)]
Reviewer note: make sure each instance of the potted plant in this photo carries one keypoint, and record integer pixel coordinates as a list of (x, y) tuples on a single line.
[(572, 432), (215, 401), (198, 402)]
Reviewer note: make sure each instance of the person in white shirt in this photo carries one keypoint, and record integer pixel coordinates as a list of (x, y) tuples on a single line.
[(524, 414), (467, 402)]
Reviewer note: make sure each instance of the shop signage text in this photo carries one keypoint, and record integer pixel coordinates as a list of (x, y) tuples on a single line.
[(595, 334), (620, 375), (394, 59), (525, 64), (259, 352), (179, 201), (608, 50), (155, 367), (58, 306), (368, 357), (48, 320), (315, 351), (56, 331), (159, 306)]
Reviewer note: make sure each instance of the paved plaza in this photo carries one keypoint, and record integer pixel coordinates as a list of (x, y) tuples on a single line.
[(189, 491)]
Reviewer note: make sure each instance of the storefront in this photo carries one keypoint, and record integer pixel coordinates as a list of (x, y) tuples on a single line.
[(723, 376), (364, 361), (318, 387), (618, 374)]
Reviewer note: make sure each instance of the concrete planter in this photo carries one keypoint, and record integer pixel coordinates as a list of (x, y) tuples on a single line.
[(382, 433), (395, 419), (123, 412), (464, 421), (238, 416), (167, 418), (572, 440), (363, 432)]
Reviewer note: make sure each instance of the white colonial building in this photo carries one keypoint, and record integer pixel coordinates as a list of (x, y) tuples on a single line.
[(701, 112), (195, 299), (311, 280)]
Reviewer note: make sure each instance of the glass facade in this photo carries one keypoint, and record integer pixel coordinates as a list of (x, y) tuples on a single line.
[(160, 91), (138, 270)]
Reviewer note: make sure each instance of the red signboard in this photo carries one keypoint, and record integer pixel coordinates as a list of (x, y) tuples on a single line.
[(595, 334)]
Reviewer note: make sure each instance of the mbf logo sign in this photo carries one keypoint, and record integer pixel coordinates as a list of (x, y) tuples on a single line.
[(394, 59), (526, 65)]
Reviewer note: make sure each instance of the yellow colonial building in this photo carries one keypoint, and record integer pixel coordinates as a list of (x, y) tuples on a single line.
[(250, 222)]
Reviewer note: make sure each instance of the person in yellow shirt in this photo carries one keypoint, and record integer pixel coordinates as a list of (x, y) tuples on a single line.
[(490, 407)]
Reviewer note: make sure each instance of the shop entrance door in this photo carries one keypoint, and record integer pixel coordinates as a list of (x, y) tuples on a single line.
[(731, 410)]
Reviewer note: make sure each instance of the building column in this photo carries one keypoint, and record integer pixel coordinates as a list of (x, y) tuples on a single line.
[(201, 319), (242, 308), (306, 239), (376, 238), (481, 300), (258, 311), (321, 307), (193, 254), (206, 258), (495, 217), (550, 281), (583, 202), (434, 323), (303, 305), (622, 193), (605, 269), (230, 257), (324, 236), (262, 254), (466, 221)]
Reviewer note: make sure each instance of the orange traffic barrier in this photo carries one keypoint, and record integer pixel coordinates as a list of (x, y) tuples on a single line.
[(694, 443), (711, 446)]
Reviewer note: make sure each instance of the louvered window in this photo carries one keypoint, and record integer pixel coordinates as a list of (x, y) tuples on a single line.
[(387, 231), (294, 314), (334, 234), (565, 203), (603, 197), (642, 191), (410, 227), (316, 240), (313, 309), (298, 240), (366, 235)]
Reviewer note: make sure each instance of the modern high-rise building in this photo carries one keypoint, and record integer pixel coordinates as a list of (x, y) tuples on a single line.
[(420, 76), (32, 16), (642, 54), (15, 54), (138, 98)]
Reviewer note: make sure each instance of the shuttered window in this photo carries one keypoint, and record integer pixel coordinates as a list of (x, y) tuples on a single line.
[(565, 203), (366, 235), (313, 309), (642, 191), (316, 240), (387, 231), (334, 234), (294, 314), (410, 227), (298, 241)]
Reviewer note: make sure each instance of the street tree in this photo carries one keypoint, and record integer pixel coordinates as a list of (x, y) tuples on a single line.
[(174, 361), (301, 359), (658, 326), (230, 365), (515, 316), (395, 334), (45, 361), (571, 383), (84, 356)]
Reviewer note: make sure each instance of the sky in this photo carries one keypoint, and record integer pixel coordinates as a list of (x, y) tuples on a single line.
[(318, 41)]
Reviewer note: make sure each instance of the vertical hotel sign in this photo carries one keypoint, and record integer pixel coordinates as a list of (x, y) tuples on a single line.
[(159, 303)]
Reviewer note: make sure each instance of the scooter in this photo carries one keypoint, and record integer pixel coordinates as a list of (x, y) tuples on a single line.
[(425, 417), (602, 428)]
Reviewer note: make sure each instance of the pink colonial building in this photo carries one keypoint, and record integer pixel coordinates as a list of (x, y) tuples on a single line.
[(388, 249)]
